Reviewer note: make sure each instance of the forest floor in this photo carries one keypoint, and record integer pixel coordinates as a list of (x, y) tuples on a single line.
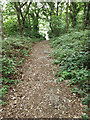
[(38, 95)]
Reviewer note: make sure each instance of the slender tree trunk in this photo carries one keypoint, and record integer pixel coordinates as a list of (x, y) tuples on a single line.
[(57, 8), (67, 16), (20, 25), (29, 23), (84, 8), (0, 53), (51, 22), (86, 18), (74, 14), (21, 31), (37, 23), (1, 23), (88, 14), (70, 14)]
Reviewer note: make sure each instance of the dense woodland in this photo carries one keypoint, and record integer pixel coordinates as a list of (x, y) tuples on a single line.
[(66, 25)]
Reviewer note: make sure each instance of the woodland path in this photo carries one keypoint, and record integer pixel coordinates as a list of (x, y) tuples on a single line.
[(38, 95)]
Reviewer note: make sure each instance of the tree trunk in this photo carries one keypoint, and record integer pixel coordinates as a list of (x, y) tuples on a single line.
[(1, 24), (67, 16), (57, 8), (0, 55), (37, 23), (0, 50), (86, 12), (84, 9), (21, 31), (61, 11), (20, 13), (84, 16), (29, 27), (70, 14), (51, 22), (74, 14), (20, 25)]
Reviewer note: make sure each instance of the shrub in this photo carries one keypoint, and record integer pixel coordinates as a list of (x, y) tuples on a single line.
[(71, 54)]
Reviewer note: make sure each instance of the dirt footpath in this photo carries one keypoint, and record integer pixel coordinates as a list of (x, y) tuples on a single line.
[(38, 95)]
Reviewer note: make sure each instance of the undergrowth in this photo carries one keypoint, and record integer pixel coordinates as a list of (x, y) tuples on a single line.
[(71, 53), (14, 51)]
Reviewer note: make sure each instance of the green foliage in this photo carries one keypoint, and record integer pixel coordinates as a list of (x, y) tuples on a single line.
[(13, 55), (84, 117), (71, 55), (11, 26), (71, 49), (86, 100), (58, 26), (8, 67)]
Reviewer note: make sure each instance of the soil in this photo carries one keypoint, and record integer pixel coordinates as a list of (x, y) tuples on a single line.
[(38, 95)]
